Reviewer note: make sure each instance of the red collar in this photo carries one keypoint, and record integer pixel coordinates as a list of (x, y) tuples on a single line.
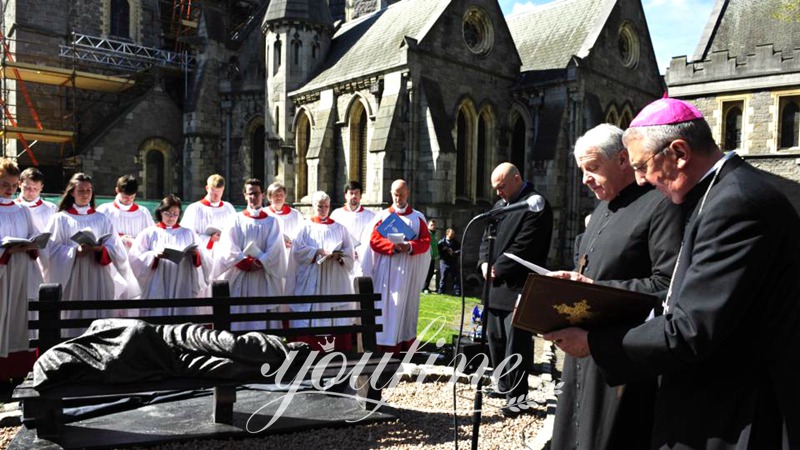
[(8, 204), (408, 210), (133, 207), (75, 212), (261, 214), (285, 210), (205, 202), (22, 201), (360, 208), (164, 226), (325, 221)]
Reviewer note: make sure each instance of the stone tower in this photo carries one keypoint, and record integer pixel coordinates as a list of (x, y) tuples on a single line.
[(297, 36)]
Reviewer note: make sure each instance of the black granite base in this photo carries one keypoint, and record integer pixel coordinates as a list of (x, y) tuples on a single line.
[(189, 419)]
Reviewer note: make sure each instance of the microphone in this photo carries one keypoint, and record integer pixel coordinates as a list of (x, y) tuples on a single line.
[(534, 203)]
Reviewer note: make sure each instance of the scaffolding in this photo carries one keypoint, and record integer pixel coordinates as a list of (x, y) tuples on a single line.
[(50, 90)]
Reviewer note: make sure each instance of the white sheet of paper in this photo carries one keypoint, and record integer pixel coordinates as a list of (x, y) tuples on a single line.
[(538, 269)]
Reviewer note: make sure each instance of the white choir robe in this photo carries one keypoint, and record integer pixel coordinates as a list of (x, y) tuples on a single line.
[(128, 223), (398, 276), (328, 278), (83, 278), (200, 215), (162, 278), (356, 223), (20, 278), (41, 211), (229, 259), (291, 222)]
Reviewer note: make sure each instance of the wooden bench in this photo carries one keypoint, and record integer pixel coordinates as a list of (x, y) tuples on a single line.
[(42, 409)]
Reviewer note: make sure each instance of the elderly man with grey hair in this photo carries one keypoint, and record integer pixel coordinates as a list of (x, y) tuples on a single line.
[(631, 242), (323, 253), (726, 347)]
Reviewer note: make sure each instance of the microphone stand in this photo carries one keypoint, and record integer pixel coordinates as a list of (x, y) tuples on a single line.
[(491, 235)]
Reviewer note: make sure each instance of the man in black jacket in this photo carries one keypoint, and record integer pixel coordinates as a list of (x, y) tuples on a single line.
[(525, 234), (726, 347), (449, 253)]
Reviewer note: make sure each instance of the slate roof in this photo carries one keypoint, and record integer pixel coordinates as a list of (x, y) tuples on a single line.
[(313, 11), (372, 44), (550, 34), (739, 26)]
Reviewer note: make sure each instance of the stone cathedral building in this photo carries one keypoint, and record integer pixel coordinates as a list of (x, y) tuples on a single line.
[(745, 78), (314, 93)]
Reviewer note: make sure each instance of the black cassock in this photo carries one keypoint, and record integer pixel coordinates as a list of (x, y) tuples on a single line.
[(728, 346), (632, 243)]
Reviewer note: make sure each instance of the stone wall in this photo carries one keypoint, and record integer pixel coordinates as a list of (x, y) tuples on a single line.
[(118, 152)]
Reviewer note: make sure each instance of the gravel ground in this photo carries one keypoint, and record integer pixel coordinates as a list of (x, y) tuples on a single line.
[(425, 421)]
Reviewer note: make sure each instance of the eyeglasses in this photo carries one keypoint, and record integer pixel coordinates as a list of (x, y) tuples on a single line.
[(642, 166), (170, 213)]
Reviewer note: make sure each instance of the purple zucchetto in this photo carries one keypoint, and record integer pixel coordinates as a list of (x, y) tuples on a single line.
[(666, 111)]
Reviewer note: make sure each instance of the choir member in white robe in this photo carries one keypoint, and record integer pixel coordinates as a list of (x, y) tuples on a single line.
[(398, 269), (210, 214), (355, 218), (31, 184), (128, 218), (291, 222), (87, 272), (161, 277), (19, 277), (251, 255), (324, 255)]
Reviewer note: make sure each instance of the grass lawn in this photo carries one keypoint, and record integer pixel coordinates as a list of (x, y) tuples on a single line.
[(443, 312)]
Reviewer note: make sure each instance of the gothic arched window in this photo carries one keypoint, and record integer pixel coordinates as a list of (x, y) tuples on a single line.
[(120, 19), (357, 169), (257, 162), (790, 122), (276, 55), (303, 141), (465, 149), (154, 174), (732, 138), (518, 143)]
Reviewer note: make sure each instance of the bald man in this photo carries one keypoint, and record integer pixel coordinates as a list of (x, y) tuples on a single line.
[(398, 270), (527, 235)]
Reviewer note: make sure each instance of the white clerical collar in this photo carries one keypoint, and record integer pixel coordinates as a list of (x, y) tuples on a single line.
[(6, 201), (30, 204), (82, 210), (121, 206), (400, 210), (254, 212), (213, 204), (717, 165)]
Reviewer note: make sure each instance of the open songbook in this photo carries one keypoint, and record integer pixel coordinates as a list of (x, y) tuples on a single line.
[(86, 237), (252, 250), (39, 241), (176, 255), (332, 250)]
